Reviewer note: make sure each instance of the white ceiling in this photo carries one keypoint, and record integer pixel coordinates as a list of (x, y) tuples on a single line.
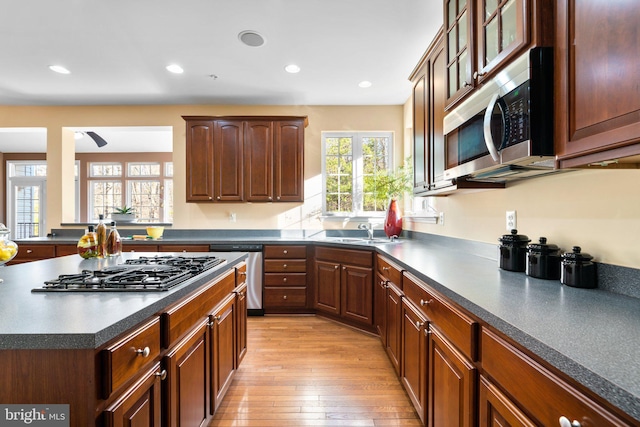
[(117, 51)]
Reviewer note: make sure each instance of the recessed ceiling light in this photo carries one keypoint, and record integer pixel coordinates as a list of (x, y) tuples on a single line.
[(175, 69), (251, 38), (59, 69), (364, 84), (292, 68)]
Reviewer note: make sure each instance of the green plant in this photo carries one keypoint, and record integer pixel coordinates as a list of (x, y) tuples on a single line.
[(124, 210), (394, 184)]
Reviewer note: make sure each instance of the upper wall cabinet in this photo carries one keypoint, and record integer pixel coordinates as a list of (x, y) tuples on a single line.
[(481, 36), (597, 90), (245, 159)]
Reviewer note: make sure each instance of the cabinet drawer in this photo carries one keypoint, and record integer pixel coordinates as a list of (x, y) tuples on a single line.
[(138, 247), (123, 359), (285, 279), (285, 265), (241, 274), (347, 256), (389, 270), (285, 297), (543, 395), (278, 251), (179, 318), (35, 252), (458, 327), (62, 250)]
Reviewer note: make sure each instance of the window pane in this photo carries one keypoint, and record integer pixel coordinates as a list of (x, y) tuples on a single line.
[(27, 211), (491, 40), (105, 169), (145, 199), (143, 169), (105, 197), (168, 169), (168, 200), (509, 24), (23, 169)]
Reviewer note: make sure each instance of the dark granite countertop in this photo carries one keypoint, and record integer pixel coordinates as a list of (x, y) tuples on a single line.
[(592, 335)]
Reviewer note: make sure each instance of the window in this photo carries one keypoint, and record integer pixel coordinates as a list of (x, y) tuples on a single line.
[(353, 163), (142, 185)]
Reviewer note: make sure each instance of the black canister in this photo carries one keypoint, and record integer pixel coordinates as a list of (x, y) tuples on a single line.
[(513, 251), (543, 260), (578, 270)]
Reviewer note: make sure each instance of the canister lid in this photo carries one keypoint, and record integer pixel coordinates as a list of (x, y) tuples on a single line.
[(576, 255), (543, 247), (514, 238)]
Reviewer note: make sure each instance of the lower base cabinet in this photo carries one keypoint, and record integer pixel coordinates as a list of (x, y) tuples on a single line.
[(497, 410), (414, 357), (223, 344)]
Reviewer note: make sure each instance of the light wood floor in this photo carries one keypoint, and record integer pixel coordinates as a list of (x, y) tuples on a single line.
[(309, 371)]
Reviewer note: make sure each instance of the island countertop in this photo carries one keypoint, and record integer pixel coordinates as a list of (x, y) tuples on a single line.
[(81, 320)]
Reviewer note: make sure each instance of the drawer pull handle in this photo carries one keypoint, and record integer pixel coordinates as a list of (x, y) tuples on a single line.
[(29, 251), (385, 268), (284, 297), (564, 422), (243, 273), (284, 279), (162, 374), (423, 302), (144, 352), (284, 266), (285, 251)]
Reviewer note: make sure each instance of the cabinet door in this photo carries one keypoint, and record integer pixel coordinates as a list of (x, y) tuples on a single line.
[(597, 96), (223, 350), (228, 158), (241, 323), (258, 161), (496, 410), (139, 405), (394, 324), (356, 297), (420, 132), (380, 307), (186, 396), (289, 161), (437, 99), (502, 30), (452, 381), (199, 142), (414, 357), (458, 18), (328, 287)]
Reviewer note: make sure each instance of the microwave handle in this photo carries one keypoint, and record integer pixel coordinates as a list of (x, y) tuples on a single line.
[(488, 139)]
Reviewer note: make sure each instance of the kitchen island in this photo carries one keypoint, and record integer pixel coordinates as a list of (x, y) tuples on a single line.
[(100, 352)]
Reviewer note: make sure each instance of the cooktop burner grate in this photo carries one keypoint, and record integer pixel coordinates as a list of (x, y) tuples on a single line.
[(158, 273)]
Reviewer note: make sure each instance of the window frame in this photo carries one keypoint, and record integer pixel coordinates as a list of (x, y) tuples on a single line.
[(357, 171)]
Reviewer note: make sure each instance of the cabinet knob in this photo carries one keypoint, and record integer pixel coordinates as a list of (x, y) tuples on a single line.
[(284, 297), (466, 84), (218, 198), (211, 324), (284, 279), (29, 251), (278, 198), (217, 318), (335, 267), (344, 268), (270, 198), (419, 324), (285, 251), (477, 74), (424, 302), (243, 273), (210, 198), (144, 352), (385, 268), (284, 265), (162, 374), (564, 422)]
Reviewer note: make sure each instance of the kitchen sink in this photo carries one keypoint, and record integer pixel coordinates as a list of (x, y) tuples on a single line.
[(357, 240)]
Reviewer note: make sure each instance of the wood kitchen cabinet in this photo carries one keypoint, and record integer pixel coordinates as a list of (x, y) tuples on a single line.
[(241, 312), (413, 372), (481, 36), (223, 350), (597, 110), (28, 253), (285, 279), (532, 389), (245, 158), (344, 285), (388, 308)]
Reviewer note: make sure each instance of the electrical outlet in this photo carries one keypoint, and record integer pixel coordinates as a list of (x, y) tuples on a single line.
[(232, 217), (441, 218), (512, 222)]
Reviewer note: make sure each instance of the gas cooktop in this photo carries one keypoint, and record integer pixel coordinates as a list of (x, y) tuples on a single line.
[(158, 273)]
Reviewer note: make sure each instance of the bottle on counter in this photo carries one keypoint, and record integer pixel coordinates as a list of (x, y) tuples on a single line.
[(114, 243), (101, 232), (88, 244)]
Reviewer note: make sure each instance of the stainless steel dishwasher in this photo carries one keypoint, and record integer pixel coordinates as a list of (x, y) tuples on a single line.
[(254, 272)]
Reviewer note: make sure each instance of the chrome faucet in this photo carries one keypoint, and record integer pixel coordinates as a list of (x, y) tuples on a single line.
[(367, 226)]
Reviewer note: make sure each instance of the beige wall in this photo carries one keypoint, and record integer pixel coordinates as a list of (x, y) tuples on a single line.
[(597, 210)]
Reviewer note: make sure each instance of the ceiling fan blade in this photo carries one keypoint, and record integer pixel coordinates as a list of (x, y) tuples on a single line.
[(97, 138)]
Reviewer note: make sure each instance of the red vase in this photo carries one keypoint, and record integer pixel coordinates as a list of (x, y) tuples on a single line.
[(393, 220)]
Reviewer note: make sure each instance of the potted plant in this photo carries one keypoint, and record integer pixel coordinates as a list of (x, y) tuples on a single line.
[(123, 214)]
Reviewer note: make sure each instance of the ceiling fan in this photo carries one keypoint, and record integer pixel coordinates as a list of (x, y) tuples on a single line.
[(100, 142)]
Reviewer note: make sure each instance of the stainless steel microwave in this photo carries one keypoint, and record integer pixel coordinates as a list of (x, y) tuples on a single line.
[(505, 129)]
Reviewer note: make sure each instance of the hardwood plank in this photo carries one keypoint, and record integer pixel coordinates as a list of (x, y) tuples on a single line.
[(310, 371)]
